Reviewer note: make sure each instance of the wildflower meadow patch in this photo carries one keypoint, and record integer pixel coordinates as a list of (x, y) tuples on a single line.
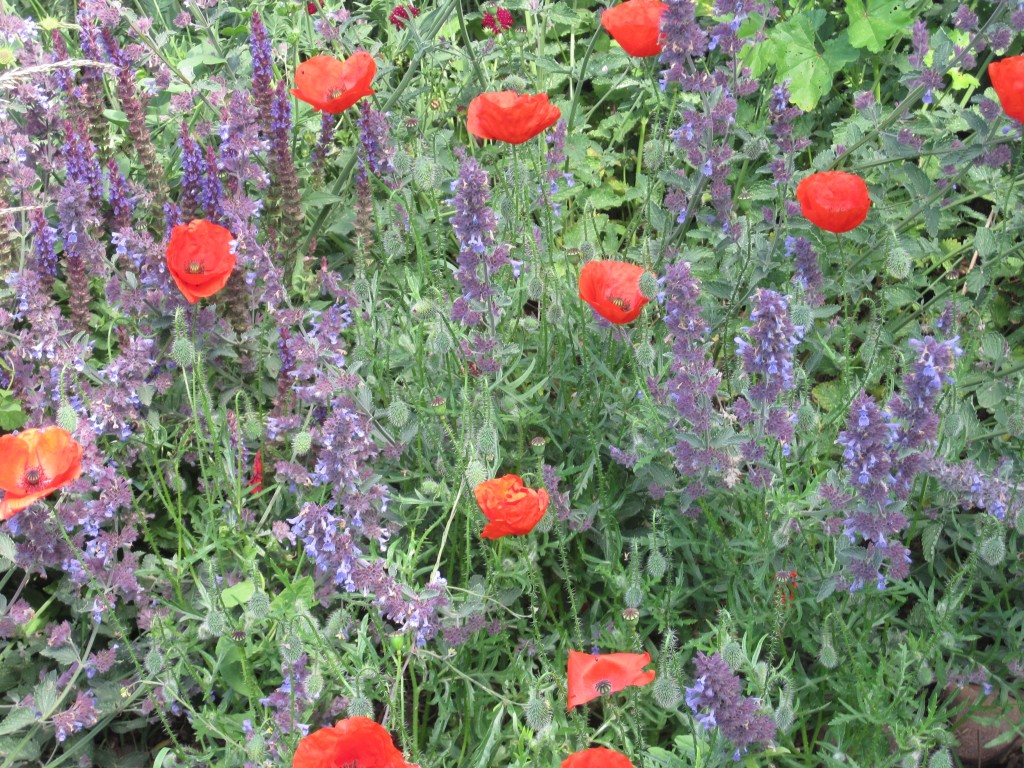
[(540, 383)]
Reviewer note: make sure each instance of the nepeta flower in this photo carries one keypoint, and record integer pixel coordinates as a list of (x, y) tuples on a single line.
[(774, 338), (717, 701)]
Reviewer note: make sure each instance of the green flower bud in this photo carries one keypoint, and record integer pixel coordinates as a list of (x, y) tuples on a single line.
[(183, 352), (301, 443), (649, 286), (360, 706), (993, 550), (800, 314), (634, 596), (588, 251), (656, 564), (67, 419), (666, 691), (487, 441), (537, 712), (476, 473), (398, 414), (732, 654), (645, 355)]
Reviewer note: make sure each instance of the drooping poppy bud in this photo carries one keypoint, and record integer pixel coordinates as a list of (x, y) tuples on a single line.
[(612, 289), (836, 201), (510, 117), (597, 757), (200, 258), (332, 86), (33, 464), (352, 741), (511, 508), (591, 675), (1007, 77), (635, 25)]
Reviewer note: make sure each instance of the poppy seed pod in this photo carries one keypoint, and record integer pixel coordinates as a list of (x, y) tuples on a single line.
[(510, 117), (33, 464), (1007, 77), (836, 201), (612, 289), (636, 26), (332, 86), (200, 258)]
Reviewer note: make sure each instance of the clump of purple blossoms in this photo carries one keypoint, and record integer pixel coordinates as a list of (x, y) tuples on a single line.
[(79, 716), (479, 259), (694, 379), (716, 700), (774, 337), (806, 268)]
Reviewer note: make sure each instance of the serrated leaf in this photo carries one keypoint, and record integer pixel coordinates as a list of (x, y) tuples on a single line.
[(8, 549), (872, 26), (828, 395), (828, 586), (17, 719), (930, 541), (985, 242), (799, 61), (993, 346)]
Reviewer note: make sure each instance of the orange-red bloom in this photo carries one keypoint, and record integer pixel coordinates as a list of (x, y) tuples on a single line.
[(836, 201), (597, 757), (34, 463), (592, 675), (354, 741), (330, 85), (510, 117), (612, 288), (511, 508), (1008, 80), (199, 258), (635, 25)]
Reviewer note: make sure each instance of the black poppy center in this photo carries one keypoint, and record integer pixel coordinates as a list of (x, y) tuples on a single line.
[(33, 476), (604, 687), (620, 303)]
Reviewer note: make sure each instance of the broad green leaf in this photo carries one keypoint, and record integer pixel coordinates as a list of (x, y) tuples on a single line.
[(872, 26), (300, 590), (239, 594), (798, 59)]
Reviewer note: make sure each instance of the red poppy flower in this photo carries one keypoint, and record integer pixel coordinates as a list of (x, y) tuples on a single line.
[(612, 288), (834, 200), (510, 117), (257, 473), (593, 675), (1008, 80), (199, 258), (511, 508), (636, 26), (402, 14), (597, 757), (332, 86), (498, 22), (354, 741), (33, 464)]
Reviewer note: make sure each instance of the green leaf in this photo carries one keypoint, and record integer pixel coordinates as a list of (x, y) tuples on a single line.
[(11, 415), (230, 666), (16, 720), (828, 395), (299, 591), (872, 26), (238, 594), (799, 61)]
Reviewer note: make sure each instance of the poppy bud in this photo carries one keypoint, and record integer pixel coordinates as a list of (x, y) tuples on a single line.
[(649, 286), (993, 550), (183, 352), (301, 443), (645, 355), (666, 691), (656, 564), (487, 441), (732, 654), (476, 473), (398, 414), (67, 419)]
